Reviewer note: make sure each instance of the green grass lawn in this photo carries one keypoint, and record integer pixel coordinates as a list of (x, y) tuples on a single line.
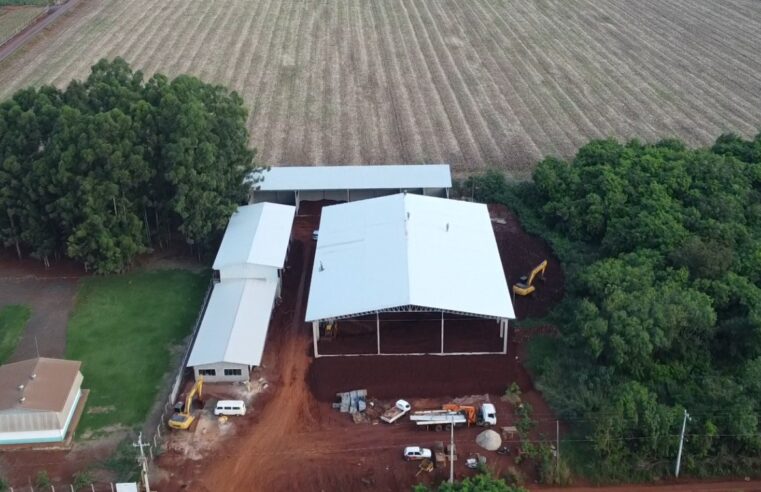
[(13, 319), (122, 329)]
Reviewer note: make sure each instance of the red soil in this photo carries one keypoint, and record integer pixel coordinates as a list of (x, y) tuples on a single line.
[(520, 253), (293, 440)]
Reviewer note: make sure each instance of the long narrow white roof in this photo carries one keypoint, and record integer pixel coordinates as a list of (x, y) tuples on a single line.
[(356, 177), (234, 326), (256, 234), (407, 250)]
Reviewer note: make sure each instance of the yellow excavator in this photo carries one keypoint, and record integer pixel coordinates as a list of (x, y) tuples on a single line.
[(526, 285), (182, 418)]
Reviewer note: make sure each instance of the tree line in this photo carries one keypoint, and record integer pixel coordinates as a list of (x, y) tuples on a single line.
[(116, 165), (661, 245)]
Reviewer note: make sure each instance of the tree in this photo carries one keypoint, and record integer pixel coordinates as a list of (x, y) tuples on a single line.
[(663, 309), (114, 165)]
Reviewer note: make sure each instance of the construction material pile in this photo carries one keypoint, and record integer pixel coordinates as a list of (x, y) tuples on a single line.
[(489, 440), (354, 403)]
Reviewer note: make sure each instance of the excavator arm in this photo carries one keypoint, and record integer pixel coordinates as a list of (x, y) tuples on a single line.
[(525, 288), (184, 419)]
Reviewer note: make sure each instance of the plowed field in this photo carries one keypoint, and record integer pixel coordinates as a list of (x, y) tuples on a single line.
[(474, 83)]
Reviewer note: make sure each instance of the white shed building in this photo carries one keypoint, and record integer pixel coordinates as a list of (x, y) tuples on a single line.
[(407, 253), (38, 400), (255, 243), (248, 268), (231, 338), (293, 184)]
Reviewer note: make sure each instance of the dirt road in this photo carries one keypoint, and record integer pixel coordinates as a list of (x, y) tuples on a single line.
[(735, 486), (17, 41)]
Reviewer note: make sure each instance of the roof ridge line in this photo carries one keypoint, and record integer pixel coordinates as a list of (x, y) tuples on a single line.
[(237, 313)]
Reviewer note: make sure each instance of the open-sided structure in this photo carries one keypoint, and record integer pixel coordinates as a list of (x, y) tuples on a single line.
[(292, 185), (248, 268), (38, 400), (407, 253)]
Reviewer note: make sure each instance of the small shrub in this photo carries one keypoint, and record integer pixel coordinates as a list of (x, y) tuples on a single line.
[(42, 480), (4, 485), (525, 422), (82, 480), (513, 394)]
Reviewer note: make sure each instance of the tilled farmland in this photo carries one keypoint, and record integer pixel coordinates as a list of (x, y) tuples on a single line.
[(475, 83)]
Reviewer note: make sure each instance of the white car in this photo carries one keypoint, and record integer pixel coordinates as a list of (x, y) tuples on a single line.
[(416, 453)]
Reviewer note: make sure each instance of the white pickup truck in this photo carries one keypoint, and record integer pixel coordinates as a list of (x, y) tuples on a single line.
[(400, 408)]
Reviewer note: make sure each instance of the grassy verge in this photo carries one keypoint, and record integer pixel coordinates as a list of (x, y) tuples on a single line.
[(122, 329), (13, 319)]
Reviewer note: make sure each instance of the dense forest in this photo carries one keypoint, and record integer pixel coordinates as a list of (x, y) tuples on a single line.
[(662, 250), (116, 165)]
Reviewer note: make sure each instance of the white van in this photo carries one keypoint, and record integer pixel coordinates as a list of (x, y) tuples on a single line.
[(230, 407)]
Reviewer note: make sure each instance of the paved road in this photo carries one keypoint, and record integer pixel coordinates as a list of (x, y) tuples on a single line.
[(21, 38)]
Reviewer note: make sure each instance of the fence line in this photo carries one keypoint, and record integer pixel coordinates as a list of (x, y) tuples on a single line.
[(155, 436), (186, 356)]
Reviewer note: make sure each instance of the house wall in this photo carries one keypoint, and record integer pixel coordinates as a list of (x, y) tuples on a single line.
[(71, 401), (219, 369), (30, 427)]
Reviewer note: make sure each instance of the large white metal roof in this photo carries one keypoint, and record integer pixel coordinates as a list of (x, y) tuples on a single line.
[(256, 234), (407, 250), (356, 177), (234, 326)]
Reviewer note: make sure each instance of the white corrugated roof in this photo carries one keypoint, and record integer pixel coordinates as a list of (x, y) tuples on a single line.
[(407, 249), (356, 177), (256, 234), (234, 326)]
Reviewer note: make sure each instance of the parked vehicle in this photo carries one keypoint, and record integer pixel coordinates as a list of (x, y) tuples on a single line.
[(453, 414), (487, 415), (417, 453), (400, 408), (230, 407), (439, 419), (183, 418)]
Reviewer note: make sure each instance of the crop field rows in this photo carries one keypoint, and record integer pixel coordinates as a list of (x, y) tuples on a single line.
[(13, 19), (474, 83)]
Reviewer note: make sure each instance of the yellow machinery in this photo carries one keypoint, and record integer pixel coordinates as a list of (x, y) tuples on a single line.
[(331, 330), (182, 419), (526, 286)]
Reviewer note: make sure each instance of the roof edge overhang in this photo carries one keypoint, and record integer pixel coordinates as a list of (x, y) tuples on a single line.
[(411, 308)]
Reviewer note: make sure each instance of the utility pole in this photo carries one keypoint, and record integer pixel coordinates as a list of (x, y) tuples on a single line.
[(557, 449), (681, 444), (451, 449), (142, 460)]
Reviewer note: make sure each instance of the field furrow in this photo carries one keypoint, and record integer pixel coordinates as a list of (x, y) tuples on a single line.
[(654, 53), (265, 63), (280, 81), (475, 84)]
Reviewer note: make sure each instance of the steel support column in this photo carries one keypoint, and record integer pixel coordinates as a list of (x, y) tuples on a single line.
[(442, 332), (377, 331), (315, 336)]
